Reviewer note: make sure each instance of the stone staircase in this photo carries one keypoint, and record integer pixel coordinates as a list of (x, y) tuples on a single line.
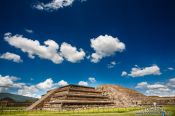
[(41, 100)]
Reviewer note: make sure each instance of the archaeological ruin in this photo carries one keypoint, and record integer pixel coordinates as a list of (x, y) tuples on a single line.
[(71, 97)]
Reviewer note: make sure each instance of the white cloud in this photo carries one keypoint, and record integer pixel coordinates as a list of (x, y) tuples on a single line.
[(105, 46), (95, 58), (162, 92), (71, 53), (53, 5), (124, 73), (142, 85), (29, 30), (47, 84), (50, 49), (33, 47), (157, 88), (111, 64), (83, 83), (171, 82), (170, 68), (138, 72), (92, 79), (8, 81), (3, 89), (30, 91), (11, 56), (62, 83), (36, 90)]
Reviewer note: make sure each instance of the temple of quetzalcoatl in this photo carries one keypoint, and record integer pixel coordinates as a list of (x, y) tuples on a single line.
[(71, 97), (81, 97)]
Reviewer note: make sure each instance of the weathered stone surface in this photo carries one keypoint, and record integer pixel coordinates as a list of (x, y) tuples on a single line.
[(72, 97), (122, 97)]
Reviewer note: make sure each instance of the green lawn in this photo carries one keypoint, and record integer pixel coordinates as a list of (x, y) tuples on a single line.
[(69, 114), (170, 109), (90, 112)]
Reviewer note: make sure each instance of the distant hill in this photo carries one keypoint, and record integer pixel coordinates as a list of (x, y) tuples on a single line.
[(17, 98)]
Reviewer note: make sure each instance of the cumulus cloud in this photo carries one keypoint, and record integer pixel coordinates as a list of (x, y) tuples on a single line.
[(92, 79), (105, 46), (53, 5), (36, 90), (33, 47), (11, 56), (111, 64), (83, 83), (124, 73), (158, 88), (3, 89), (71, 53), (138, 72), (150, 86), (171, 82), (50, 49), (7, 82), (62, 83), (142, 85), (11, 82), (33, 90), (162, 92), (47, 84), (30, 91)]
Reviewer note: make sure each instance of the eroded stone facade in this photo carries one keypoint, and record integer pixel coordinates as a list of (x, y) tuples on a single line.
[(72, 97)]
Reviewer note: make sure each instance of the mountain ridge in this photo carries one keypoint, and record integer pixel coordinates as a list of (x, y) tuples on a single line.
[(17, 98)]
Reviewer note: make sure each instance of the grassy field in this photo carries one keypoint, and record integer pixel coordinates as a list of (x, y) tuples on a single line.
[(170, 109), (131, 111)]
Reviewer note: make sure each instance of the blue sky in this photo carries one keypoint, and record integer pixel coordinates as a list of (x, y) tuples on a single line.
[(45, 44)]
